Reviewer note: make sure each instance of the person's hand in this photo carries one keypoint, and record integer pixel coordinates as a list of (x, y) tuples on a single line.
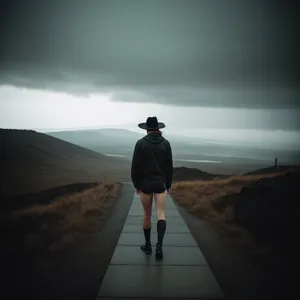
[(137, 191)]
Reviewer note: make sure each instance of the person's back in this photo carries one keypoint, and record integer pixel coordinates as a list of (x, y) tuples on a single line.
[(151, 173), (152, 159)]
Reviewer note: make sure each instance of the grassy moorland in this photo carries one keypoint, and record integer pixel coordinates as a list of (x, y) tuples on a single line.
[(45, 229), (246, 209)]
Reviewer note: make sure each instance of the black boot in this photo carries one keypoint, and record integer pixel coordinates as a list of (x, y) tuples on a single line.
[(158, 251), (147, 248), (161, 229)]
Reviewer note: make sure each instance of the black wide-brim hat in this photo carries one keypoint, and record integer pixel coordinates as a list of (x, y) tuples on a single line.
[(152, 124)]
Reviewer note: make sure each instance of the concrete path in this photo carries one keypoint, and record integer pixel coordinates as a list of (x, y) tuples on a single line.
[(183, 273)]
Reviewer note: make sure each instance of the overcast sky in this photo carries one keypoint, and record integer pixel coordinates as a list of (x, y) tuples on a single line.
[(202, 64)]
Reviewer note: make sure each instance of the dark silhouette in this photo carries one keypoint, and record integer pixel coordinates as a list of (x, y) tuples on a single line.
[(151, 173)]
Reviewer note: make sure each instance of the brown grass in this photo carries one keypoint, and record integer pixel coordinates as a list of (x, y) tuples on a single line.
[(65, 219), (212, 200)]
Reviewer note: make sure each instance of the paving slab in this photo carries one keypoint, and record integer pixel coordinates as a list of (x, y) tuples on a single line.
[(137, 200), (170, 239), (139, 210), (151, 298), (153, 210), (168, 202), (138, 206), (176, 228), (173, 256), (171, 220), (183, 273), (172, 226), (169, 205), (169, 213), (160, 281)]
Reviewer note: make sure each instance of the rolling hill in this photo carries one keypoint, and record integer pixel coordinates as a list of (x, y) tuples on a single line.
[(191, 174), (273, 169), (32, 161), (105, 140)]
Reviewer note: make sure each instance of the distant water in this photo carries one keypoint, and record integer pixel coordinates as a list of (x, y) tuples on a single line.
[(186, 160), (201, 161), (116, 155)]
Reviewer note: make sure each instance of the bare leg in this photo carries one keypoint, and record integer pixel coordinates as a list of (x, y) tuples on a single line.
[(160, 200), (146, 200)]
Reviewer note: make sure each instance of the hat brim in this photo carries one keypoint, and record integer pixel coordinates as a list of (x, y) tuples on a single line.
[(145, 127)]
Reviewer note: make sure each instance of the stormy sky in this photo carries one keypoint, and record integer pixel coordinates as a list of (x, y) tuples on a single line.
[(197, 63)]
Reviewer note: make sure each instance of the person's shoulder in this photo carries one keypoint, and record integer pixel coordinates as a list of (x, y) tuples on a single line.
[(140, 141), (167, 142)]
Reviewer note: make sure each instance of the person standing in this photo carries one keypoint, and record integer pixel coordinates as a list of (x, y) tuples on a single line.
[(151, 174)]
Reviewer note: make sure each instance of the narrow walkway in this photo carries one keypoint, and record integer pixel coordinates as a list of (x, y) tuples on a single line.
[(183, 272)]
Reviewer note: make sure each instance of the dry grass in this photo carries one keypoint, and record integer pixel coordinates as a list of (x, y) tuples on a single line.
[(59, 223), (212, 201), (206, 196)]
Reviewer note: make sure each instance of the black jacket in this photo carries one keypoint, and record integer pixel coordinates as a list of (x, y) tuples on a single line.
[(152, 157)]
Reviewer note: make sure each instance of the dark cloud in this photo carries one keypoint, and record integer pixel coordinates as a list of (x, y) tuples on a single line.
[(215, 97), (212, 53)]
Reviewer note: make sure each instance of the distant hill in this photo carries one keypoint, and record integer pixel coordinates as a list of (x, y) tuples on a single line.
[(105, 140), (191, 174), (32, 161), (187, 174), (120, 133), (105, 133), (273, 169), (83, 138)]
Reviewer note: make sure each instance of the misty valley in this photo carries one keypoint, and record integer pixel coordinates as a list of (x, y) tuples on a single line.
[(200, 153)]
